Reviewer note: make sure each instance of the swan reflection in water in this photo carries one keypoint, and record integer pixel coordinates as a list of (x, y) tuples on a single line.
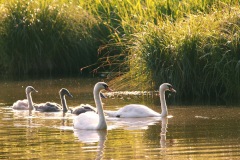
[(143, 123), (163, 132), (135, 123), (93, 136)]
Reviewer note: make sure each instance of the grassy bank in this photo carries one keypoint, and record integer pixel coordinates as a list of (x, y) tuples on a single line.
[(200, 55), (193, 44), (47, 37)]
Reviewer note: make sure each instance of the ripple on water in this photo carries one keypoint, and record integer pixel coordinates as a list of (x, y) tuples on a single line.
[(191, 133)]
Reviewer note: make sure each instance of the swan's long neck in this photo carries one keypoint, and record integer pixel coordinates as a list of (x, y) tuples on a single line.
[(64, 103), (102, 122), (163, 103), (30, 102)]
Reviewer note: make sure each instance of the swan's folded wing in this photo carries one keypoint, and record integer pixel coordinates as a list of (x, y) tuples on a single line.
[(82, 109), (21, 105), (133, 111), (48, 107)]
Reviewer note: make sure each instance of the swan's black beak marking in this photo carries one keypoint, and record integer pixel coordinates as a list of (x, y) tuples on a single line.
[(107, 88)]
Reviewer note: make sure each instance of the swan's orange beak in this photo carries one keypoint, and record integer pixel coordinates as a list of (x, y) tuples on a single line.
[(108, 89)]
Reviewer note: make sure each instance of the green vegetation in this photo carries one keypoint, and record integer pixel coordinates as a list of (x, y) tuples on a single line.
[(44, 38), (192, 44)]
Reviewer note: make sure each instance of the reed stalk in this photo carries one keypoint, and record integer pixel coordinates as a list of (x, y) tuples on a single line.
[(193, 44)]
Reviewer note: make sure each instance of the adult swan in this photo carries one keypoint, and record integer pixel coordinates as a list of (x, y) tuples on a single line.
[(138, 110), (92, 120)]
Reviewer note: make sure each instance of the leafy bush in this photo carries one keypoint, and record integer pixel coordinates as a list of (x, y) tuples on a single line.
[(43, 37)]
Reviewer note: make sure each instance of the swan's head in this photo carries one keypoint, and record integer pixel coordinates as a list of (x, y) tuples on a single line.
[(101, 85), (167, 87), (64, 92), (30, 89)]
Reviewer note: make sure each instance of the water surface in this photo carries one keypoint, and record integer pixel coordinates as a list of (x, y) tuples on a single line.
[(190, 132)]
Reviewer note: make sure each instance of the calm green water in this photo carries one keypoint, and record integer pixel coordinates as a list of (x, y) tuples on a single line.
[(191, 132)]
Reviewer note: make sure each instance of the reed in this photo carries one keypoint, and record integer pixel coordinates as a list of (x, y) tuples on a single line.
[(44, 38), (199, 55), (193, 44)]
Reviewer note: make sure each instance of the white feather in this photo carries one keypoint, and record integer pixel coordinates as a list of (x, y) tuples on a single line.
[(138, 110), (88, 120)]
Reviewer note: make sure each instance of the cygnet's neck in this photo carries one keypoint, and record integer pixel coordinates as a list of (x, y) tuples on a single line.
[(102, 122), (30, 102), (163, 103), (64, 103)]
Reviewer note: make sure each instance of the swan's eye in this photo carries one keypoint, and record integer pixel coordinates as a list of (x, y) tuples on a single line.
[(107, 88)]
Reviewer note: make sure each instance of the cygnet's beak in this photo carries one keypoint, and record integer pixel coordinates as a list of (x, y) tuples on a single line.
[(70, 95), (173, 90)]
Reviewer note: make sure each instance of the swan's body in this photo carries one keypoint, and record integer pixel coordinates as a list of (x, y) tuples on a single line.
[(138, 110), (23, 104), (48, 107), (54, 107), (92, 120), (88, 121), (82, 109), (133, 111), (85, 107)]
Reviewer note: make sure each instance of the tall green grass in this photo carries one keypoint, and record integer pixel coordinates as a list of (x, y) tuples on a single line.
[(47, 37), (193, 44), (199, 55)]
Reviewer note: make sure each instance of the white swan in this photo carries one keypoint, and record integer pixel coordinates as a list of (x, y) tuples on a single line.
[(92, 120), (85, 107), (138, 110), (24, 104), (54, 107)]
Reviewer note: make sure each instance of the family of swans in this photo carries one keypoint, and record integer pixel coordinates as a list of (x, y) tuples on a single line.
[(91, 118)]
